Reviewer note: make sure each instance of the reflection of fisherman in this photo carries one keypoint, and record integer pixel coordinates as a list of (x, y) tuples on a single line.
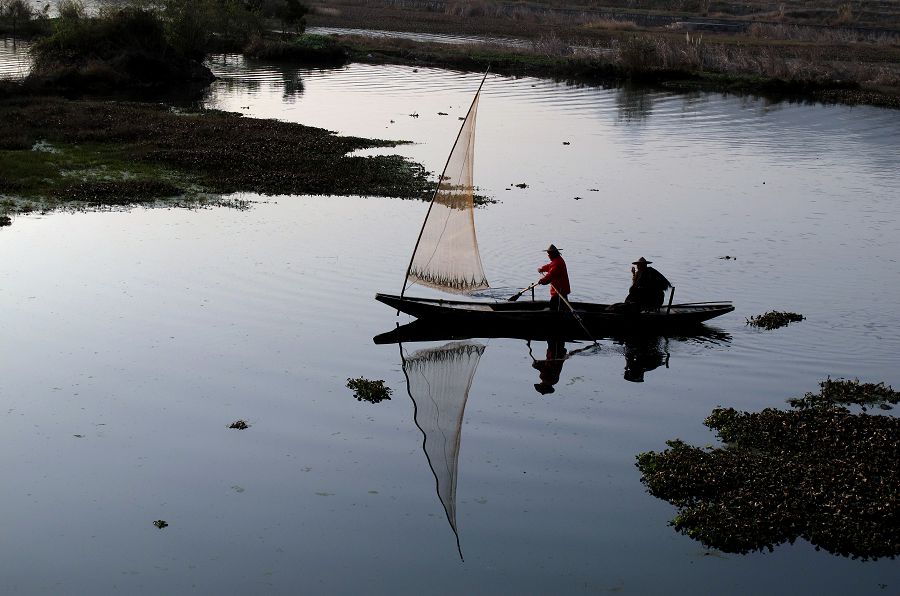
[(551, 368), (556, 275), (648, 286), (641, 357)]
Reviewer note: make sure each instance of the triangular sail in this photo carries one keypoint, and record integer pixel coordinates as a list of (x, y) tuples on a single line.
[(446, 256), (438, 380)]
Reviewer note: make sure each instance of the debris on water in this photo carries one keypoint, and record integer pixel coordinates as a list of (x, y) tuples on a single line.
[(566, 143), (414, 115), (521, 185), (729, 258), (774, 319), (817, 472), (239, 425), (369, 390), (577, 198), (161, 523), (442, 113), (461, 118), (836, 393), (594, 189)]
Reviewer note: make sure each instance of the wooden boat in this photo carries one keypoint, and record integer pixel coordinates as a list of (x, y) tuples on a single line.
[(537, 314), (446, 257)]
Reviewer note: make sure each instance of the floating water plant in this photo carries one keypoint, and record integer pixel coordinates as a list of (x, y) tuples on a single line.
[(160, 523), (835, 393), (774, 319), (239, 425), (368, 390), (817, 472)]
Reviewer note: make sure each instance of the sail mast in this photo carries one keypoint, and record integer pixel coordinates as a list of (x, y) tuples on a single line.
[(438, 188)]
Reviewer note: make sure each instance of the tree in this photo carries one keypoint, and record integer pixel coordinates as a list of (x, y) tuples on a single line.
[(293, 15), (17, 11)]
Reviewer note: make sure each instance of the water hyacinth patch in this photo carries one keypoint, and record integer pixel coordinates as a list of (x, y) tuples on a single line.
[(774, 319), (368, 390), (817, 472), (835, 393)]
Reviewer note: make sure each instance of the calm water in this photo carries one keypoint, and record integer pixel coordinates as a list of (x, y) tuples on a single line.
[(132, 339)]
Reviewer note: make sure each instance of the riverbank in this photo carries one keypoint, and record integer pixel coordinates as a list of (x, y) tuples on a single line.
[(842, 64), (64, 153)]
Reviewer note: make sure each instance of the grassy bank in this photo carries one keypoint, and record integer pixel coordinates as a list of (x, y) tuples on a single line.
[(56, 152), (846, 62)]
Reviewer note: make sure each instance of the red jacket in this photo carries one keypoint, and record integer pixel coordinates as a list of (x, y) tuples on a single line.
[(557, 275)]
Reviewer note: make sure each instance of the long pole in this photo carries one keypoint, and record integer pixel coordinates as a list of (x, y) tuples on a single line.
[(438, 188), (575, 314)]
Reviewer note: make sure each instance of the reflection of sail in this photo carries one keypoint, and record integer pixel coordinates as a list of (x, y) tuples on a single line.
[(438, 381)]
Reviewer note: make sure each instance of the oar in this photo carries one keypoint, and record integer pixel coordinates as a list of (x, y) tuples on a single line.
[(515, 297)]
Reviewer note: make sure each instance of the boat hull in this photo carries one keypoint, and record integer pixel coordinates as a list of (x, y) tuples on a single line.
[(539, 318)]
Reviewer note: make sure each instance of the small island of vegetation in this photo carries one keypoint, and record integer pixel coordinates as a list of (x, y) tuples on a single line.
[(820, 471)]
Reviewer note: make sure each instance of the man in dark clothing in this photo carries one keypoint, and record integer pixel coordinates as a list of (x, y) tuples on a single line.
[(556, 275), (648, 286)]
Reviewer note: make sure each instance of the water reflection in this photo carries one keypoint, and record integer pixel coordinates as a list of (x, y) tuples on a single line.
[(642, 352), (550, 367), (634, 103), (438, 381)]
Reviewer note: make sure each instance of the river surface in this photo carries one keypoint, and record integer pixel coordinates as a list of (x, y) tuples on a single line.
[(132, 339)]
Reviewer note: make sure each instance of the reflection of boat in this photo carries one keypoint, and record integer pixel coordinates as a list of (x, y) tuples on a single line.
[(643, 352), (442, 330), (438, 381), (537, 313)]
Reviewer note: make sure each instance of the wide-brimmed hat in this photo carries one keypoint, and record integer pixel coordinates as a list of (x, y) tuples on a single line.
[(552, 248), (641, 261)]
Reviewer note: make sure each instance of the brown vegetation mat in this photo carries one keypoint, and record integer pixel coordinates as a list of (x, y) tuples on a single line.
[(819, 472), (220, 152)]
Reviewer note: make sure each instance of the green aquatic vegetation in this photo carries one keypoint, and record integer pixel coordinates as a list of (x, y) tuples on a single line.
[(54, 151), (368, 390), (835, 393), (774, 319), (818, 473)]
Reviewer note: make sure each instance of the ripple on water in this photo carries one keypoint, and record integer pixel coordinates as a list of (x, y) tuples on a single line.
[(15, 62)]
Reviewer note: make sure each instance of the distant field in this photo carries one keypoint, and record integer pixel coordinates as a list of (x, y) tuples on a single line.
[(528, 18)]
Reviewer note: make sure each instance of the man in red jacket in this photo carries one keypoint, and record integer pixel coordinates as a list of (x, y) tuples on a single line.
[(556, 275)]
